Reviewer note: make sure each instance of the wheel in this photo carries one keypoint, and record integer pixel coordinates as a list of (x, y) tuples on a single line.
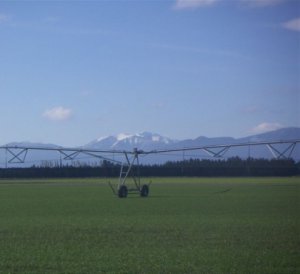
[(122, 192), (144, 191)]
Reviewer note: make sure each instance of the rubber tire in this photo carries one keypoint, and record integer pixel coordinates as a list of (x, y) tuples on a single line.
[(123, 191), (144, 191)]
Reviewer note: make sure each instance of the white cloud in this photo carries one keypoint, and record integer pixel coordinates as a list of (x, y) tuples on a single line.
[(265, 127), (4, 17), (58, 114), (159, 105), (293, 24), (51, 19), (262, 3), (191, 4), (86, 93), (207, 51), (251, 110)]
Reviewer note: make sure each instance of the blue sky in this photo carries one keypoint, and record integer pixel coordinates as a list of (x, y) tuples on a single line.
[(73, 71)]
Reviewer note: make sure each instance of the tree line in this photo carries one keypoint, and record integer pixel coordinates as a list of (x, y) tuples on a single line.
[(193, 167)]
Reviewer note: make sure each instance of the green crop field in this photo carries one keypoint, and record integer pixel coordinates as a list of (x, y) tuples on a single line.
[(186, 225)]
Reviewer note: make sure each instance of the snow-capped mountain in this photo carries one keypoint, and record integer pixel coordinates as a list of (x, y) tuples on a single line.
[(144, 141), (148, 141), (151, 141)]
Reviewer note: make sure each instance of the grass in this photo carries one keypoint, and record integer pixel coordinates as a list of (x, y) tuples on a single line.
[(186, 225)]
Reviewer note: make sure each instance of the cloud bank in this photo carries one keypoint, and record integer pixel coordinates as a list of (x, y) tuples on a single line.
[(265, 127), (261, 3), (4, 17), (293, 24), (191, 4), (58, 114)]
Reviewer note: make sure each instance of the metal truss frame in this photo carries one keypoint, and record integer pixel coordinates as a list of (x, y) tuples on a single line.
[(285, 154), (18, 155), (131, 165), (218, 151)]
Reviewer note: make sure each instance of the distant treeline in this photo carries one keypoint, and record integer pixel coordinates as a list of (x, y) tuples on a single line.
[(194, 167)]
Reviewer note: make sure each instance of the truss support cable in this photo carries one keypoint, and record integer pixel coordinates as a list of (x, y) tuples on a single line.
[(70, 156), (281, 155), (217, 154), (18, 157)]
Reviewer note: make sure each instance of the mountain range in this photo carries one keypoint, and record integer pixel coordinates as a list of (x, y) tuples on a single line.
[(148, 141), (144, 141), (152, 141)]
